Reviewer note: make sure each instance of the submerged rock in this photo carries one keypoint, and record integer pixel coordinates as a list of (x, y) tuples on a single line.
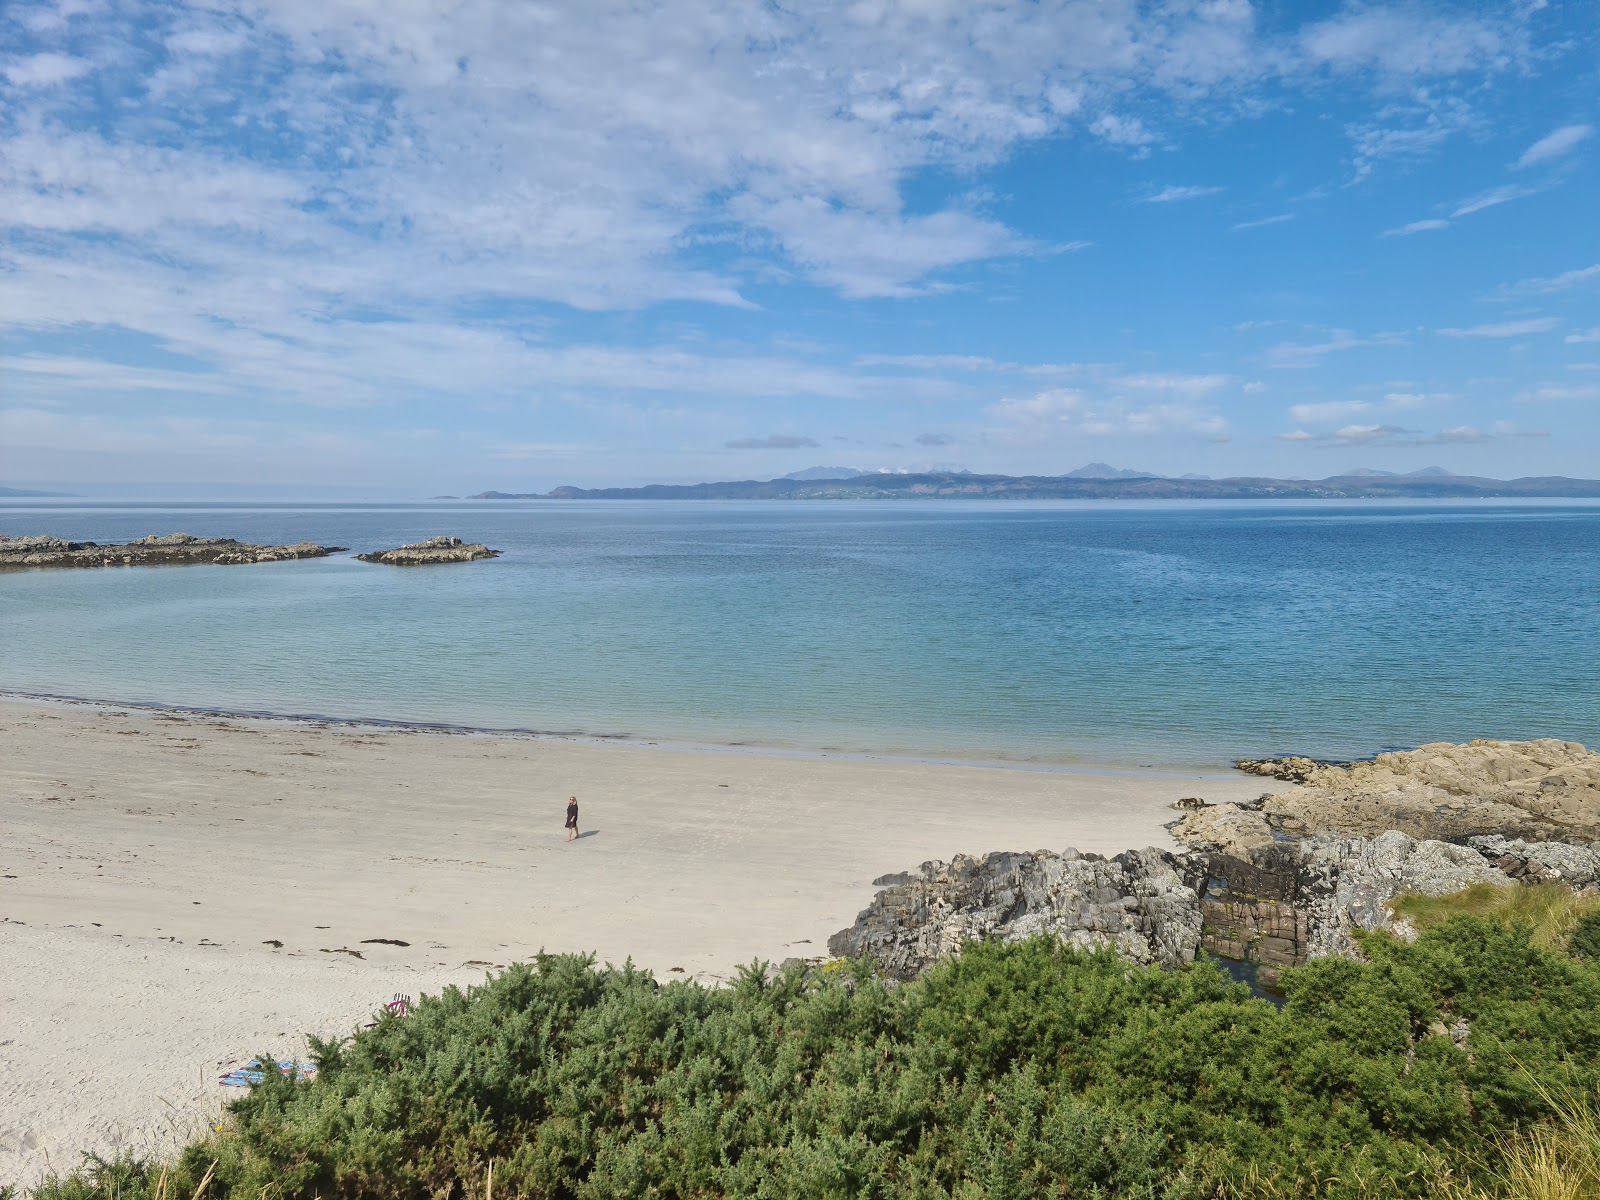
[(172, 549), (433, 550)]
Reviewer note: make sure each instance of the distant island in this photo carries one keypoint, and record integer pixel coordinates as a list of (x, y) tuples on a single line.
[(6, 491), (1093, 482)]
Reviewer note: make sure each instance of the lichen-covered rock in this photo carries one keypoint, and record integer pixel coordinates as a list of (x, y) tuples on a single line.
[(1346, 884), (1276, 906), (1137, 903), (433, 550), (1536, 791), (1573, 863), (173, 549)]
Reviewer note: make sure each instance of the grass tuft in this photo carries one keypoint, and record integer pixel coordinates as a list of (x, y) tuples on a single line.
[(1551, 912)]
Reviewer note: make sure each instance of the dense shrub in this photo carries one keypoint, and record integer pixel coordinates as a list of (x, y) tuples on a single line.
[(1584, 941), (1012, 1071)]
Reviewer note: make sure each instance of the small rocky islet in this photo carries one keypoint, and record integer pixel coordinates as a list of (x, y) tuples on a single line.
[(180, 549), (1290, 877), (433, 550), (172, 549)]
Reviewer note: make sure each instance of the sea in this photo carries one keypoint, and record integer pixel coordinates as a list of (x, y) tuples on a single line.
[(1046, 634)]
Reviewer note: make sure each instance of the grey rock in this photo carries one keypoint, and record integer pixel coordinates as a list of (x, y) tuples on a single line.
[(1136, 903), (173, 549), (1346, 884), (1576, 864), (1276, 906), (432, 550)]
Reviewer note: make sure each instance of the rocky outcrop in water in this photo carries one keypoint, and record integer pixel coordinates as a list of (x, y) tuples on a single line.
[(173, 549), (1535, 791), (434, 550)]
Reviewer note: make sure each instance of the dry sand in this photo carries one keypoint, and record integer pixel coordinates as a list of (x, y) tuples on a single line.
[(179, 892)]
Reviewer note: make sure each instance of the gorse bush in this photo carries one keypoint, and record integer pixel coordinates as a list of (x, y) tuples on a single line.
[(1019, 1070), (1584, 940)]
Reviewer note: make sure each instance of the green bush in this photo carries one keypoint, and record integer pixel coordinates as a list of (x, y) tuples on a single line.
[(1584, 941), (1012, 1071)]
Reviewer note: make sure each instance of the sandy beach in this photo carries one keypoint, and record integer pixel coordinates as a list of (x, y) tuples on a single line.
[(181, 891)]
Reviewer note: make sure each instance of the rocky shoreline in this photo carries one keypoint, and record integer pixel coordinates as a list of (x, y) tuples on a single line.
[(432, 550), (173, 549), (1275, 883)]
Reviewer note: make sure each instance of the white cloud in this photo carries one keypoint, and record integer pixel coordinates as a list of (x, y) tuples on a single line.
[(1554, 145), (1505, 329), (1460, 434), (929, 362), (1404, 400), (44, 70), (1074, 411), (1584, 335), (1261, 223), (1176, 192), (1408, 43), (1396, 435), (1366, 435), (1424, 226), (1408, 128), (1333, 410), (1253, 388), (1310, 354), (776, 441), (1559, 393), (317, 201), (1121, 131), (1557, 283), (1188, 387), (1492, 198)]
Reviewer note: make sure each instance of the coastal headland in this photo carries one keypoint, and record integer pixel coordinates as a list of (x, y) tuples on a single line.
[(182, 891)]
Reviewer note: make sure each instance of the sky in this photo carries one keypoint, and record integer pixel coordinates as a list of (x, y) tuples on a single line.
[(448, 246)]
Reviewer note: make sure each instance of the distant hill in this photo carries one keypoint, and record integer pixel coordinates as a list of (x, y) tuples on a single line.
[(1424, 473), (883, 486), (825, 473), (5, 491), (1098, 470)]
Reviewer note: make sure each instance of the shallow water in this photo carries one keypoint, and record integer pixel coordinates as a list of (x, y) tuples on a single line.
[(1059, 632)]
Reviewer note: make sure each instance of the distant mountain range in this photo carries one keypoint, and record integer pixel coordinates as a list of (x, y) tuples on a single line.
[(857, 472), (5, 491), (1097, 481)]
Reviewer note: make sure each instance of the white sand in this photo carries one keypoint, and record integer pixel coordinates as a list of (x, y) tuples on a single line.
[(148, 859)]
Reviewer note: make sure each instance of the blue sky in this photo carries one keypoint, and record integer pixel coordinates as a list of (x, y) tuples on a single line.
[(488, 244)]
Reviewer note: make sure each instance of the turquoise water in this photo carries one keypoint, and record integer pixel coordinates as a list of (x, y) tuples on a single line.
[(1150, 634)]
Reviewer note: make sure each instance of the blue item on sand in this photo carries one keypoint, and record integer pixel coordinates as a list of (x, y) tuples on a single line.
[(252, 1072)]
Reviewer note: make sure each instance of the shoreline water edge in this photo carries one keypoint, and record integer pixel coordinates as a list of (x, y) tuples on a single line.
[(1216, 769)]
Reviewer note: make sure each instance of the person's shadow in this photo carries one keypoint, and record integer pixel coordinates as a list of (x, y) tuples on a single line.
[(586, 833)]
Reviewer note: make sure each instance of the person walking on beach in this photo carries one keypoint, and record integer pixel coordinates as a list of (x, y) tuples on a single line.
[(572, 818)]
